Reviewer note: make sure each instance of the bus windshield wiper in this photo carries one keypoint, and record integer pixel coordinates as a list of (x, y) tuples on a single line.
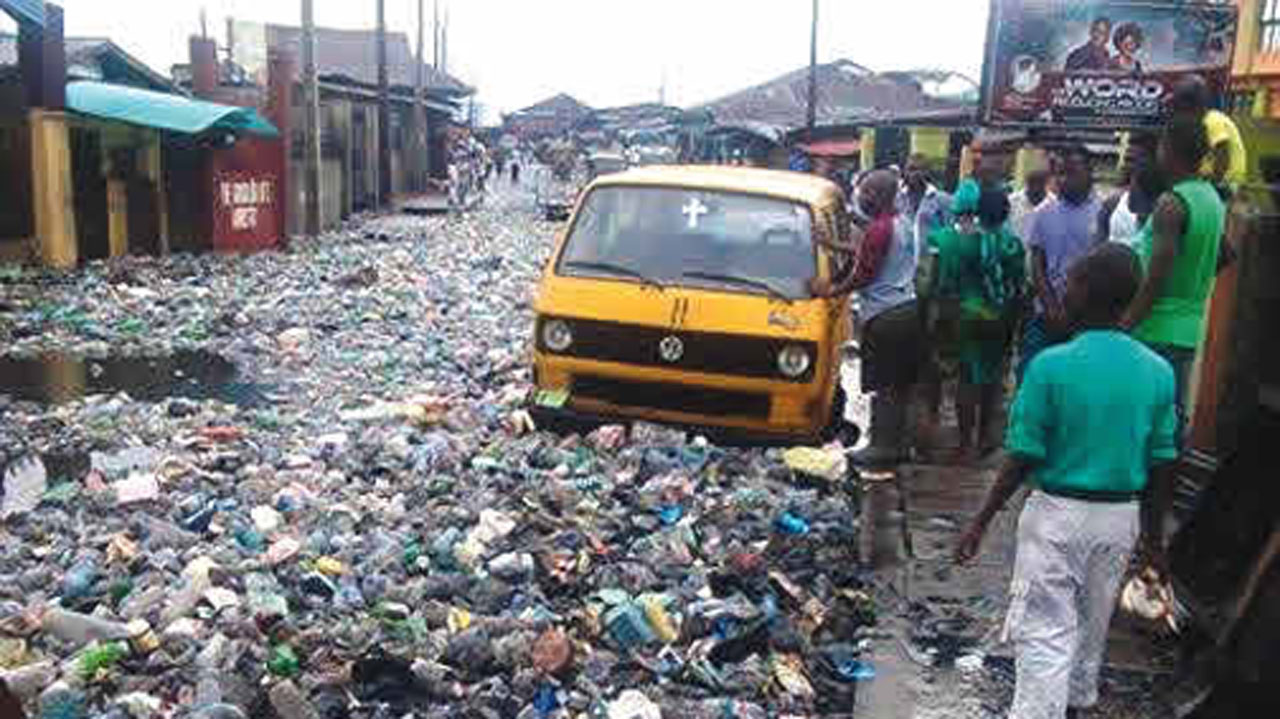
[(743, 281), (614, 269)]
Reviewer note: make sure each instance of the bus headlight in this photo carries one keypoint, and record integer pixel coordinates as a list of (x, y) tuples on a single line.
[(556, 335), (794, 361)]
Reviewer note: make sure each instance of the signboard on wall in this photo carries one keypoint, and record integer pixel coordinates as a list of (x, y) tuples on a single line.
[(1099, 63), (246, 214), (249, 48)]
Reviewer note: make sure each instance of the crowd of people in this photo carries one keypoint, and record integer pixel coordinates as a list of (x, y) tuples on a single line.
[(1093, 307)]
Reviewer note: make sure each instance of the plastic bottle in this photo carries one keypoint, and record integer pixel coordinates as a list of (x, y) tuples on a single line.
[(199, 521), (76, 628), (250, 540), (160, 534), (348, 597), (729, 709), (629, 626), (140, 604), (61, 701), (282, 661), (208, 689), (513, 566), (26, 682), (80, 578), (664, 626), (100, 657), (792, 524), (218, 711), (290, 703)]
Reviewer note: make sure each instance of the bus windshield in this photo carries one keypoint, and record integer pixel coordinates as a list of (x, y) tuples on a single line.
[(694, 238)]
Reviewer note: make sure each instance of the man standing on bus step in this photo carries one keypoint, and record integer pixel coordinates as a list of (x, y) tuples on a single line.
[(1180, 247), (884, 277)]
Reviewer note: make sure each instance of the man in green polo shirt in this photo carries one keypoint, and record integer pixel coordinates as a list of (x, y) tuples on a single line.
[(1179, 247), (1092, 432)]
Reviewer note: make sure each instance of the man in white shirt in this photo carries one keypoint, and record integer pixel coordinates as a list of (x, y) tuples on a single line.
[(924, 207), (1024, 202)]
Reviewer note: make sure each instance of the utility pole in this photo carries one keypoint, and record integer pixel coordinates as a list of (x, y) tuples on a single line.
[(812, 116), (444, 42), (420, 110), (435, 36), (384, 110), (311, 153)]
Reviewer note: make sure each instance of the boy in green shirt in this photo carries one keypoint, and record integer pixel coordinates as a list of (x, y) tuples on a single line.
[(1092, 423), (1180, 248)]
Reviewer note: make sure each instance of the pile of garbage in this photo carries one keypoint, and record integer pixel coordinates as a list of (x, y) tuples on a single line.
[(381, 532)]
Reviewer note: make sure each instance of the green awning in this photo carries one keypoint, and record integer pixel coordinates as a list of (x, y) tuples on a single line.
[(31, 11), (174, 113)]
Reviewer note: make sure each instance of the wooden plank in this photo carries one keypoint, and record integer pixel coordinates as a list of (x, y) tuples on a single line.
[(117, 217), (52, 189), (156, 164), (1250, 589)]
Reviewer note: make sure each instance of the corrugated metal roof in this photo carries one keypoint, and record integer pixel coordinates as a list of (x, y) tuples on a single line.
[(85, 60), (845, 90), (562, 104), (353, 54)]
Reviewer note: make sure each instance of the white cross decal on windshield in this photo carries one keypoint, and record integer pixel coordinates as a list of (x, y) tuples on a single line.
[(695, 210)]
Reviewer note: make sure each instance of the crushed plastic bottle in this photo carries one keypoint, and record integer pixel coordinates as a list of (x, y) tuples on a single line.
[(282, 661), (80, 579), (61, 701), (289, 702)]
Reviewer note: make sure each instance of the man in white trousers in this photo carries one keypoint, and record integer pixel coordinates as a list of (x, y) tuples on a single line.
[(1092, 432)]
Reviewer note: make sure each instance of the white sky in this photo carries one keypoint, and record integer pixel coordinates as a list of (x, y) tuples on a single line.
[(603, 52)]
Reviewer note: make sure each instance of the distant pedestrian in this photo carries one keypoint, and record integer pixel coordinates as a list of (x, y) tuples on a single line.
[(1226, 162), (977, 282), (1180, 247), (924, 207), (1063, 231), (1125, 213), (1092, 432), (1024, 203), (515, 171), (455, 186), (481, 171)]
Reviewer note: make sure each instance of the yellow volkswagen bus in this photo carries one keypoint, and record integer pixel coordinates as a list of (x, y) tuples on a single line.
[(681, 295)]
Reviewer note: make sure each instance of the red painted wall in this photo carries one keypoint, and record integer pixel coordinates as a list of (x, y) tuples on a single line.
[(248, 205), (247, 183)]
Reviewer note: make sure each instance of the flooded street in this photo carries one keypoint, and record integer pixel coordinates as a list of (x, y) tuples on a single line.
[(367, 378), (487, 359)]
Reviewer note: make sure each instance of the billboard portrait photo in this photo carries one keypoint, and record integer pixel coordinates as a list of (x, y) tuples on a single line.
[(1099, 63)]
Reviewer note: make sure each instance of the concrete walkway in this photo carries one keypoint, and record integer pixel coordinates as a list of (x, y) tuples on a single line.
[(938, 653)]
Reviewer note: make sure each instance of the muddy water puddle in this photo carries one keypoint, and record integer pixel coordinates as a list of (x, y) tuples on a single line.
[(195, 375)]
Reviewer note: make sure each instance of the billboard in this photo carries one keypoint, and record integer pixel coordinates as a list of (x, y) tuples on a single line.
[(1099, 63)]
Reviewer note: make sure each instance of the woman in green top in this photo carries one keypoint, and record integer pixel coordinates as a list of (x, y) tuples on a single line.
[(977, 282)]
